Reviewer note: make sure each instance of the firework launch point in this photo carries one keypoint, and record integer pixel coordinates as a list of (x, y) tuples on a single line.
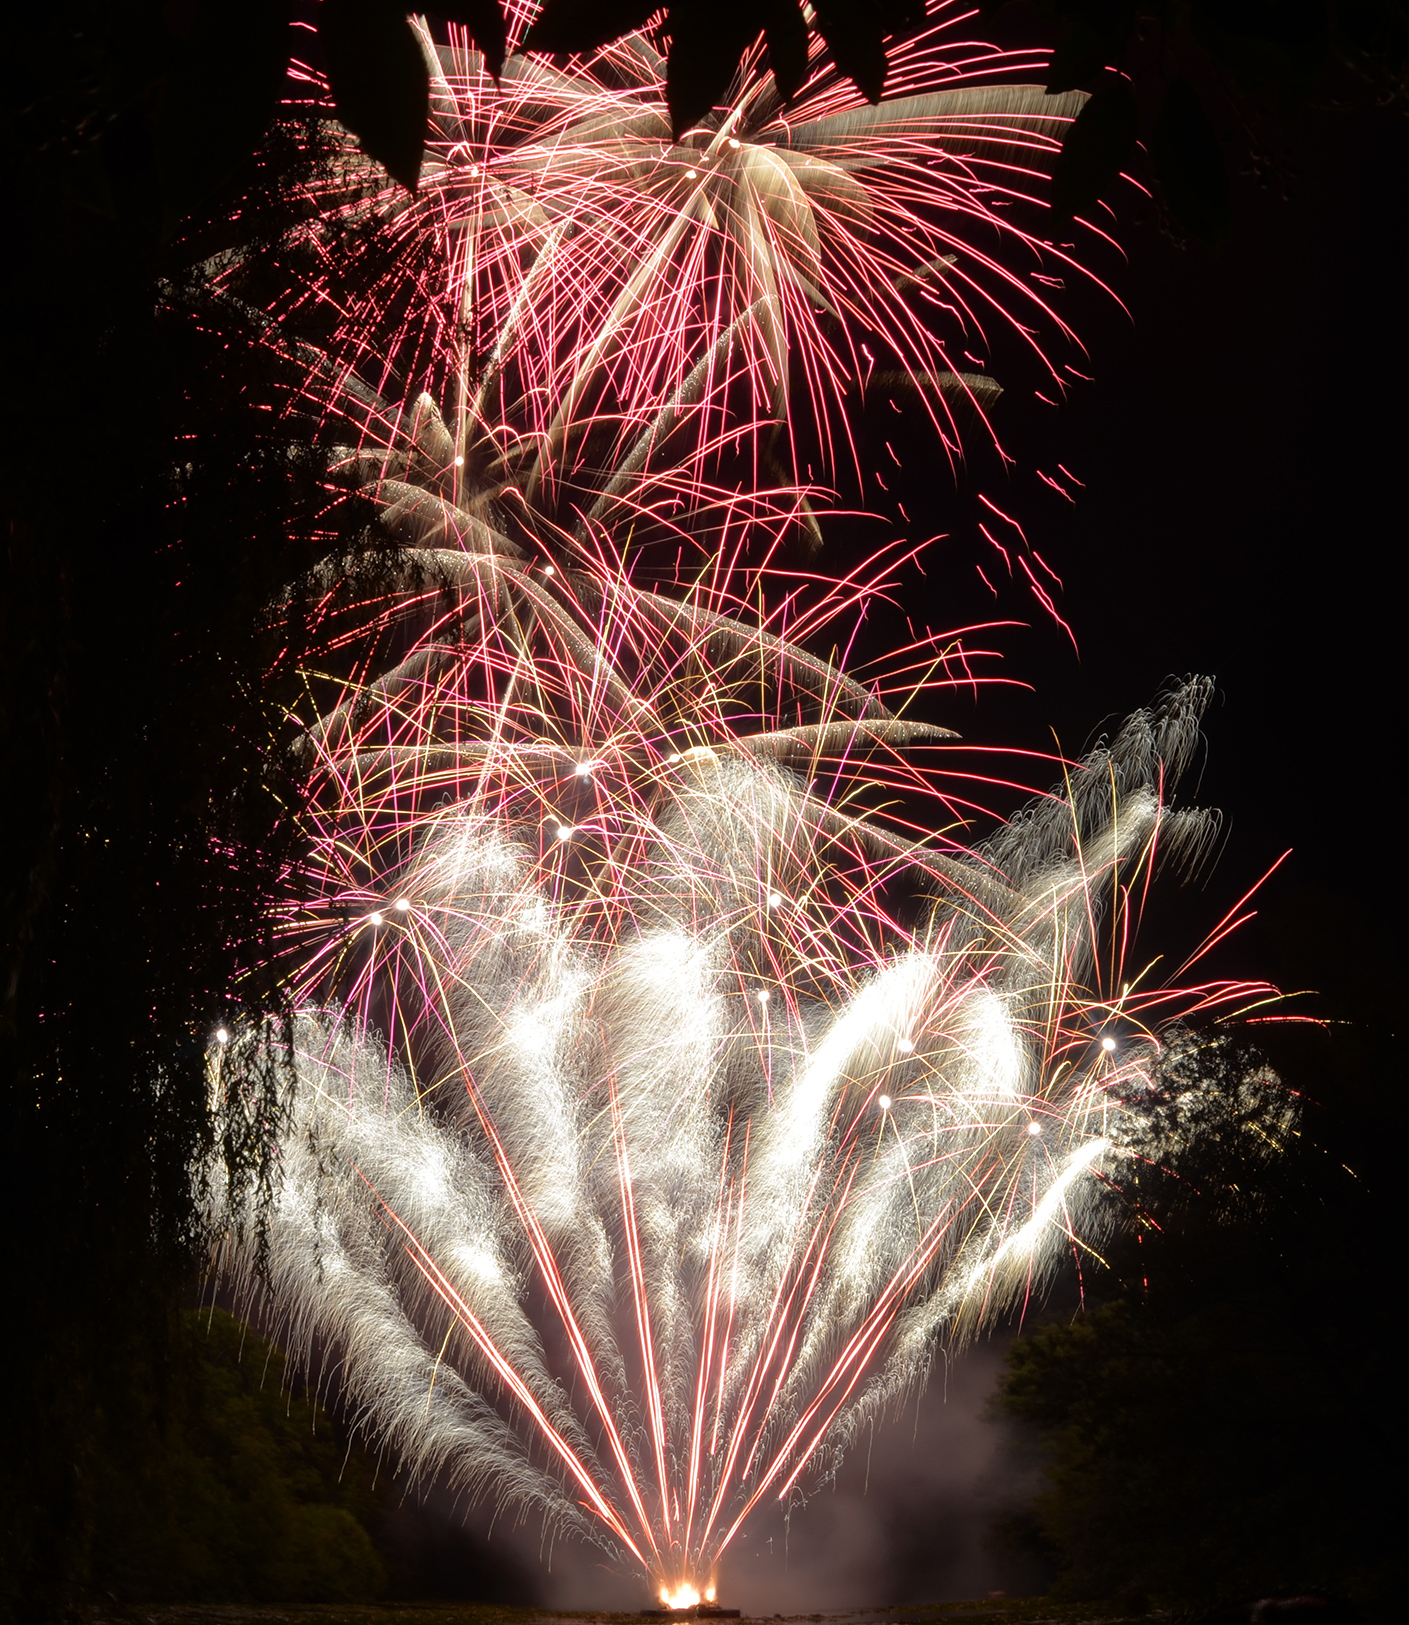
[(698, 1610)]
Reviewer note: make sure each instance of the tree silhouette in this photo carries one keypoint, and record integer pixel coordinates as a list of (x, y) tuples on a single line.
[(1209, 1425)]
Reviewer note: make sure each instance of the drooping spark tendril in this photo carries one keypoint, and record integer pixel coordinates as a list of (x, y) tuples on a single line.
[(647, 1134)]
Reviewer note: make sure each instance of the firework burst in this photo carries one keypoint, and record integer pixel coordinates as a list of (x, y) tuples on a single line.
[(612, 322), (669, 1079), (640, 1151)]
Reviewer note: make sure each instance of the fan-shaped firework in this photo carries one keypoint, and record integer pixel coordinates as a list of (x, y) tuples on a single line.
[(648, 1134)]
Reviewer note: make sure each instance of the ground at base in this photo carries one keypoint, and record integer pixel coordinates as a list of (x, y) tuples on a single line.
[(990, 1610)]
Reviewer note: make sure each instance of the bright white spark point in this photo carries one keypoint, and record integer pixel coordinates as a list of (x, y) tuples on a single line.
[(459, 462), (548, 570), (403, 903), (221, 1036), (1108, 1044), (733, 143), (774, 899), (904, 1045), (763, 996), (565, 832), (1034, 1128), (374, 919), (689, 176), (584, 769), (673, 757), (883, 1101)]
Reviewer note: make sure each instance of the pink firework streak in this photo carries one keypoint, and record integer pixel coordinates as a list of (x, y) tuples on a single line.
[(670, 1081)]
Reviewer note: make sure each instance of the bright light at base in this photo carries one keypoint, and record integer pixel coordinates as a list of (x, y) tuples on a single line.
[(683, 1596)]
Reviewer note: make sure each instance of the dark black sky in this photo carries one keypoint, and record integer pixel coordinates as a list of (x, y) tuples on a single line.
[(1241, 453), (1241, 515)]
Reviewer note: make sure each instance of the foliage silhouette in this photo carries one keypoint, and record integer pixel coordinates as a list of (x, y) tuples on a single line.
[(1248, 58), (227, 1487), (1209, 1428), (196, 84), (148, 508)]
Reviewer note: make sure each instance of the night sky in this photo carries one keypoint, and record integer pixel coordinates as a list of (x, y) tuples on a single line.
[(1241, 451), (1238, 515)]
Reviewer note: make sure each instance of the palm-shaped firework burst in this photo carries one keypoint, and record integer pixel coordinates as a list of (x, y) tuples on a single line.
[(646, 1135)]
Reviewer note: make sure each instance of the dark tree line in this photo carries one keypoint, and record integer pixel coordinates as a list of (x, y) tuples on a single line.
[(168, 99), (218, 1483), (145, 818), (221, 1479), (1216, 1424), (143, 825)]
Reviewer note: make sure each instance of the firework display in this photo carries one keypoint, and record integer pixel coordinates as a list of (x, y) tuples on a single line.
[(658, 1105)]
